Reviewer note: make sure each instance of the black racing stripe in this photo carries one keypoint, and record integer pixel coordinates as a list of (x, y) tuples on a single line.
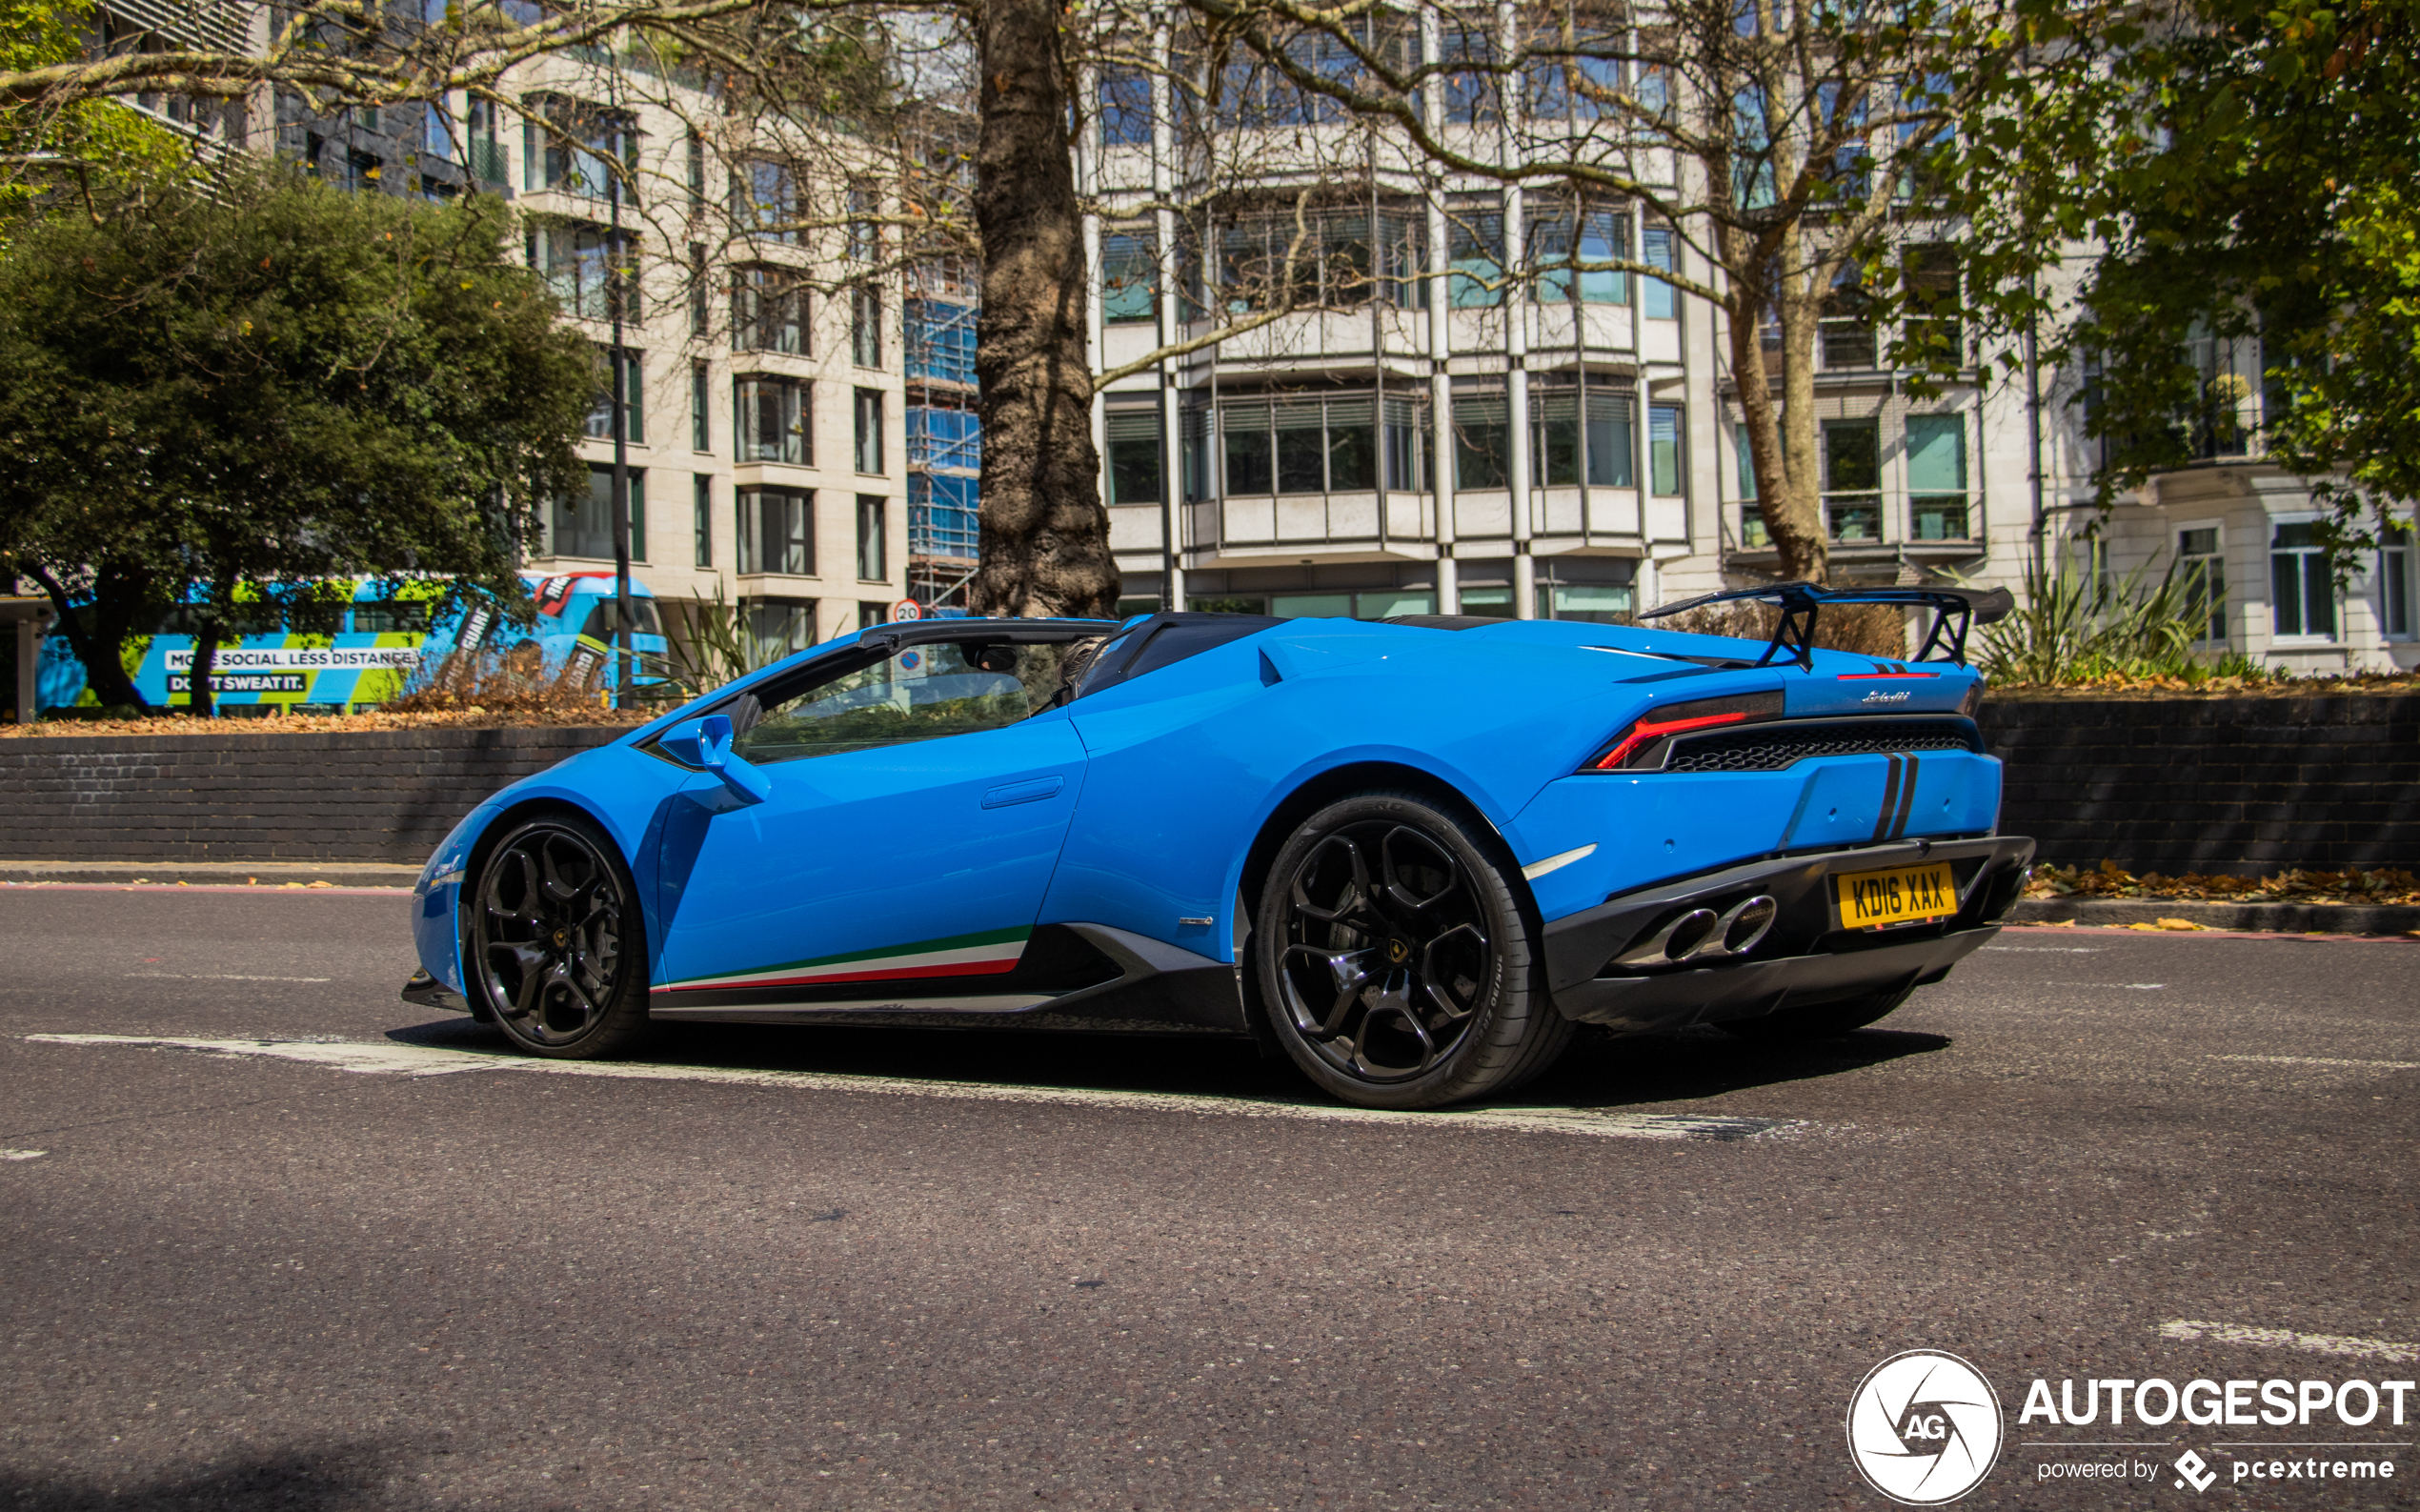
[(1907, 799), (1890, 797)]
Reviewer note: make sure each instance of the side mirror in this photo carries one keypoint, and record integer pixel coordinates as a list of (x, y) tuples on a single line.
[(707, 743)]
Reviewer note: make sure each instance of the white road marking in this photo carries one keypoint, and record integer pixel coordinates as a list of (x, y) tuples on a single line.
[(215, 976), (2321, 1061), (22, 1154), (1558, 861), (2380, 1349), (2047, 949), (394, 1058)]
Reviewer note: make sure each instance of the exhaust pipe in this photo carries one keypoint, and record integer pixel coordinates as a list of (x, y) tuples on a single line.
[(1703, 935)]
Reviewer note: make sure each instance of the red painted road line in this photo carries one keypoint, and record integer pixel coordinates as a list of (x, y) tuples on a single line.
[(277, 889)]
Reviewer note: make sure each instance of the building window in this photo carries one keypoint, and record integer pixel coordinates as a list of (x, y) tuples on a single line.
[(485, 158), (1852, 481), (437, 138), (1129, 278), (764, 201), (768, 311), (568, 147), (776, 531), (703, 520), (2301, 589), (2394, 581), (865, 232), (1266, 259), (601, 414), (1558, 441), (1602, 235), (866, 326), (870, 616), (1661, 300), (1753, 536), (1667, 474), (1937, 478), (1847, 325), (1932, 333), (942, 515), (1134, 456), (1125, 108), (578, 262), (1482, 440), (869, 431), (1309, 446), (583, 525), (2201, 569), (780, 626), (700, 432), (696, 148), (362, 171), (774, 420), (873, 540), (1380, 604), (1474, 247)]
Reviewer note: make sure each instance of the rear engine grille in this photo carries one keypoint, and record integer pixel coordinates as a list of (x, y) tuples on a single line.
[(1771, 747)]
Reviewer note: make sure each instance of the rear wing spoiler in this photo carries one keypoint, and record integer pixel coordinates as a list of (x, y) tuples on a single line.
[(1955, 611)]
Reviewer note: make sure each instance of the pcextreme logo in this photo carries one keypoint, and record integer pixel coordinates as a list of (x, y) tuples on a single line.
[(1924, 1428)]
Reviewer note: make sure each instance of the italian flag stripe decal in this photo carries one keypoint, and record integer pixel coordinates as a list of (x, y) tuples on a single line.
[(990, 953)]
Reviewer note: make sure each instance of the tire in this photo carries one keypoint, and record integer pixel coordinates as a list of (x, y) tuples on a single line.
[(547, 925), (1398, 958), (1824, 1021)]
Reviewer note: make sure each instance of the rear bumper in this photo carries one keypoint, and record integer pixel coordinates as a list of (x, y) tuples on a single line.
[(1806, 958)]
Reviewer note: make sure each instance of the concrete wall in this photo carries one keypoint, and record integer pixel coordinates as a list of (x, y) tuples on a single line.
[(2220, 785), (368, 795)]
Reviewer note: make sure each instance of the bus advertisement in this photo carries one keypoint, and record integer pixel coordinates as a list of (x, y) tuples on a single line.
[(388, 632)]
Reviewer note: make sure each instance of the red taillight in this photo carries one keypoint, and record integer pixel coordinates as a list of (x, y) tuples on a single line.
[(1641, 733), (1646, 729)]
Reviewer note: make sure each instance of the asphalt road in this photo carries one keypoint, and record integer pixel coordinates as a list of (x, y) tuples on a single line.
[(861, 1269)]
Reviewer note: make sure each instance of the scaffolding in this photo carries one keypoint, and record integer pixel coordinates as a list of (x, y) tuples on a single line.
[(944, 433)]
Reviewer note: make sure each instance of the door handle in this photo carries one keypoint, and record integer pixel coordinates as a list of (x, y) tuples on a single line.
[(1034, 792)]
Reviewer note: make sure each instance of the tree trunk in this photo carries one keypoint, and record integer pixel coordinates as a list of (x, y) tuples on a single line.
[(205, 658), (1785, 473), (1807, 552), (96, 630), (1045, 535)]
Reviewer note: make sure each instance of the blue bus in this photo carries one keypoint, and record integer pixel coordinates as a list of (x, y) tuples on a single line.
[(389, 632)]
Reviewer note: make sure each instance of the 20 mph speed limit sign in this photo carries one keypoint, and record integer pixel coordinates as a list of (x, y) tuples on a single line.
[(905, 610)]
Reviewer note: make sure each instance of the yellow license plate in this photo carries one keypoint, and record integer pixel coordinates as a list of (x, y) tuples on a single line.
[(1871, 900)]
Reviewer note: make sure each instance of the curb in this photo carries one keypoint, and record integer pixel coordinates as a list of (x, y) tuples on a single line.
[(2275, 919), (240, 875)]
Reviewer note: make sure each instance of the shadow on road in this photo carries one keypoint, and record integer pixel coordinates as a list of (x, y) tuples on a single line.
[(1598, 1071), (326, 1479)]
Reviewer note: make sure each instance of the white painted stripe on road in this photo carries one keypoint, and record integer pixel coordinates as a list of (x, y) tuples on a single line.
[(213, 975), (2321, 1061), (22, 1154), (2380, 1349), (394, 1058)]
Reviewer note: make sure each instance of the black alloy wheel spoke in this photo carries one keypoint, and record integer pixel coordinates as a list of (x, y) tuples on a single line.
[(550, 935), (1382, 977)]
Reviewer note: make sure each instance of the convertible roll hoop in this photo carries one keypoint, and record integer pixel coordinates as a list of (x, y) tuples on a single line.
[(1955, 611)]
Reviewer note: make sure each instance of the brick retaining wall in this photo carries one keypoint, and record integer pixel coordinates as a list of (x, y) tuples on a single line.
[(2241, 785), (2217, 785), (358, 795)]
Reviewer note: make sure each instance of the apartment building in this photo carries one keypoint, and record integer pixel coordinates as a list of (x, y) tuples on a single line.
[(1441, 434)]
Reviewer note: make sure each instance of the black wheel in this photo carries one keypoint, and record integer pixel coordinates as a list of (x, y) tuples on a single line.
[(1823, 1021), (1396, 962), (555, 938)]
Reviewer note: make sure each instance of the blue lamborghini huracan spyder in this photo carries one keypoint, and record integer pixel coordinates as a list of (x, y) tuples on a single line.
[(1412, 854)]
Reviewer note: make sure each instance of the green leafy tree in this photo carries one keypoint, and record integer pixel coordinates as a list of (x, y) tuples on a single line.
[(268, 385), (2259, 184)]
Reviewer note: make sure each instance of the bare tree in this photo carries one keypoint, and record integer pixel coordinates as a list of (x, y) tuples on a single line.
[(1822, 166)]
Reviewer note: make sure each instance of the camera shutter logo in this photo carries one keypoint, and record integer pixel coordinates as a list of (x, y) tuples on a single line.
[(1924, 1428)]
